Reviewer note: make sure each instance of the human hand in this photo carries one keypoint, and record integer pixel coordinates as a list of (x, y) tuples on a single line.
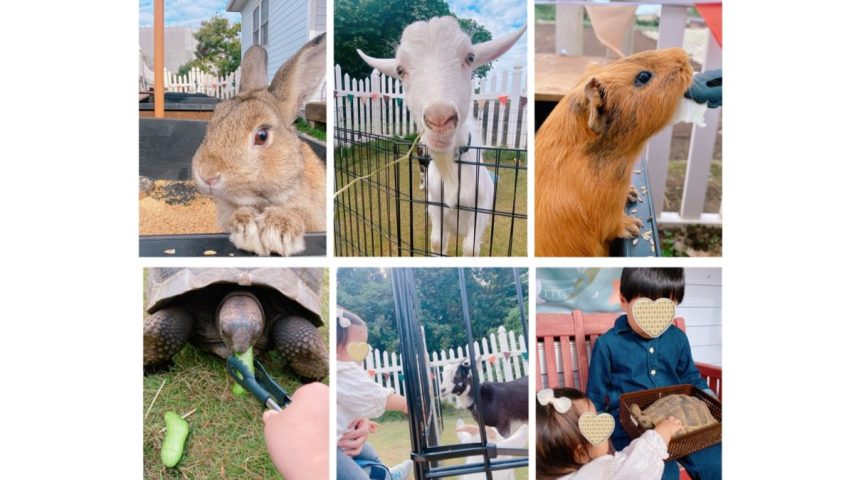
[(668, 427), (297, 437), (354, 438)]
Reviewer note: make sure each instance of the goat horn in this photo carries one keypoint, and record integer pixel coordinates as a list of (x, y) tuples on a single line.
[(388, 66)]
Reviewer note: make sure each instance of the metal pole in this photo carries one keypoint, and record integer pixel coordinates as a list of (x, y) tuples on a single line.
[(522, 308), (158, 59), (474, 375), (415, 376)]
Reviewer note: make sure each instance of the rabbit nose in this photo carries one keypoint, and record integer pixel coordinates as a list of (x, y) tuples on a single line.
[(211, 181), (440, 116)]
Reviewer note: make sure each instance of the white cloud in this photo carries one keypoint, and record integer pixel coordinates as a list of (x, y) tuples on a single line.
[(499, 17), (188, 13)]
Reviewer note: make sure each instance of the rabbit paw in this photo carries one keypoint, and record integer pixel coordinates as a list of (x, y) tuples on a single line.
[(633, 194), (630, 227), (282, 232), (245, 233)]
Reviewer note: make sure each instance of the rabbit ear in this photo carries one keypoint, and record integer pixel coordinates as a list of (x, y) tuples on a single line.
[(297, 80), (253, 69)]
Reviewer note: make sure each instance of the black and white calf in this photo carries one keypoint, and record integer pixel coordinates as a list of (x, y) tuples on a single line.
[(505, 404)]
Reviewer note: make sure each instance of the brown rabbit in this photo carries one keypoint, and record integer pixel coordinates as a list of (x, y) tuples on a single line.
[(269, 186), (587, 146)]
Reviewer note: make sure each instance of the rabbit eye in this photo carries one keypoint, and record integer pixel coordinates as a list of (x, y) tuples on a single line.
[(261, 136), (643, 78), (400, 71), (470, 58)]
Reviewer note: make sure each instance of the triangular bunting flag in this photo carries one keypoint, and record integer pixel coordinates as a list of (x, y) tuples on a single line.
[(711, 13), (610, 24), (502, 99)]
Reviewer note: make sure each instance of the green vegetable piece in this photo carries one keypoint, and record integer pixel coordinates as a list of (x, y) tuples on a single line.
[(177, 430), (246, 358)]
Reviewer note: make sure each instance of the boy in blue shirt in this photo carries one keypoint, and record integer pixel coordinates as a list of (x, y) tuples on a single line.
[(626, 359)]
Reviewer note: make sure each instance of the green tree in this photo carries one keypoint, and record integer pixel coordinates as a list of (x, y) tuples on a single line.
[(375, 26), (491, 293), (218, 50)]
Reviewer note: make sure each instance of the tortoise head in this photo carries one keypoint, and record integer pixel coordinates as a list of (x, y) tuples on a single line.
[(240, 320)]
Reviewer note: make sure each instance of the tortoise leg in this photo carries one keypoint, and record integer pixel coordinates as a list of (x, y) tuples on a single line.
[(164, 333), (300, 343)]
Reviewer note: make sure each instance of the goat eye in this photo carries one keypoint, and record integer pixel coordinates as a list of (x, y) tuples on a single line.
[(643, 78), (400, 71), (261, 136), (470, 58)]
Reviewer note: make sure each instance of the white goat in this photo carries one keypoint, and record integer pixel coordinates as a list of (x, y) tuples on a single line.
[(471, 434), (435, 61)]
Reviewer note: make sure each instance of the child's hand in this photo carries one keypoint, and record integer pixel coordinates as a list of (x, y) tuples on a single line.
[(362, 423), (668, 427), (297, 437)]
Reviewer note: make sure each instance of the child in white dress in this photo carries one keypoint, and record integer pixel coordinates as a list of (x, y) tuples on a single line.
[(359, 397), (564, 453)]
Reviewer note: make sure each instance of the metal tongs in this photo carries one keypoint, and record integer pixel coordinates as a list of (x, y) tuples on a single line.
[(261, 385), (707, 87)]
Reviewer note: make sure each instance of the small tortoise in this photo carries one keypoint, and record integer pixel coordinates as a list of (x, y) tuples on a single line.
[(692, 411), (228, 310)]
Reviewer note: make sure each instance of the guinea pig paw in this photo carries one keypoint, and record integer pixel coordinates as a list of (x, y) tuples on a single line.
[(282, 233), (630, 227), (245, 234), (633, 194)]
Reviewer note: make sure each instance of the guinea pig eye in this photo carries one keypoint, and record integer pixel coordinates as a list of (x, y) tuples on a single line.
[(643, 78), (470, 58), (261, 136), (400, 71)]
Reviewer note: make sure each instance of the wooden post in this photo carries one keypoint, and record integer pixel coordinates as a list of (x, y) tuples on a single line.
[(158, 59), (569, 29)]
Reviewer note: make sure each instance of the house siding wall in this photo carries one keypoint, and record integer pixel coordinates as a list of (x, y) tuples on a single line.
[(702, 311), (288, 30)]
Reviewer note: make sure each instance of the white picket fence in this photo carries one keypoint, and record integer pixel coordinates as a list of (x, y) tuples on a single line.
[(197, 81), (503, 357), (375, 105)]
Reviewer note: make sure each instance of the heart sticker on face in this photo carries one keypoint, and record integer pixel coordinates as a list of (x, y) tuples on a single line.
[(596, 428), (654, 317), (358, 350)]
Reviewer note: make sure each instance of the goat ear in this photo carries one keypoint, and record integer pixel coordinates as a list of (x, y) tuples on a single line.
[(253, 69), (387, 66), (597, 116), (488, 51), (298, 79)]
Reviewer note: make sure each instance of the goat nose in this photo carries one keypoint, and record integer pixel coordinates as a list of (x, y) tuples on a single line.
[(440, 115)]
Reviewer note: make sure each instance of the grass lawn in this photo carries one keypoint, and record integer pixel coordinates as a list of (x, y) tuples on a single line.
[(226, 432), (304, 127), (392, 438), (367, 214)]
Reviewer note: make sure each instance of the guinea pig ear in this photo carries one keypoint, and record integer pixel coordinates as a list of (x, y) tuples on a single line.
[(597, 117), (253, 69), (298, 79), (488, 51)]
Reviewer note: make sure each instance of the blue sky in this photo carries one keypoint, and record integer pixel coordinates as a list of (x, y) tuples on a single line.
[(185, 13), (499, 17)]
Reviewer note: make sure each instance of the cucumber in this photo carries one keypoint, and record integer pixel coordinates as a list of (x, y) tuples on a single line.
[(246, 358), (177, 430)]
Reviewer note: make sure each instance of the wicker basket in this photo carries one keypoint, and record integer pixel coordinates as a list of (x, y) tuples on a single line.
[(684, 444)]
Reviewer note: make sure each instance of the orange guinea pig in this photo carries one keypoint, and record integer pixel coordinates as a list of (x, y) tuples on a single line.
[(587, 146)]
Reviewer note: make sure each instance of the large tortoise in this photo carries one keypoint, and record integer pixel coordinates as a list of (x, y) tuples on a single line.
[(228, 310), (693, 413)]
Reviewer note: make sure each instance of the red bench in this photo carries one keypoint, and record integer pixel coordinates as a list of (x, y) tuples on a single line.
[(575, 334)]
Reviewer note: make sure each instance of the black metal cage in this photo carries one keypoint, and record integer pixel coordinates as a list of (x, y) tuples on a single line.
[(420, 397), (382, 206)]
